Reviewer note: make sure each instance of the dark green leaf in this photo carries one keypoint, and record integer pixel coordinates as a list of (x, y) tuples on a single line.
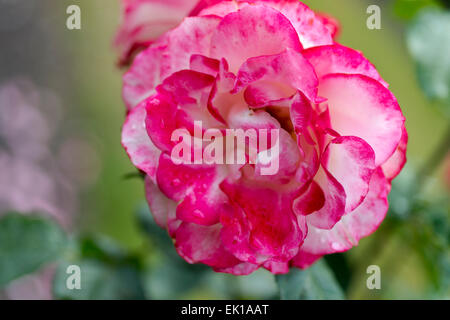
[(315, 283), (107, 272), (99, 281), (152, 230), (171, 277), (26, 243)]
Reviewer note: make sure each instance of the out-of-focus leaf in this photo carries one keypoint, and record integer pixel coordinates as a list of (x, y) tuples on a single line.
[(27, 243), (339, 264), (428, 41), (403, 196), (407, 9), (315, 283), (152, 230), (171, 277), (99, 281), (107, 272)]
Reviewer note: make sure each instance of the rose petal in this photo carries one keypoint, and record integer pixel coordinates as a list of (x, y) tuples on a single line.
[(352, 162), (268, 32), (287, 73), (143, 21), (330, 23), (360, 106), (141, 150), (160, 122), (195, 188), (334, 204), (396, 162), (262, 227), (196, 243), (311, 29), (339, 59), (191, 37), (144, 75), (277, 267), (162, 208), (353, 226), (204, 64), (304, 259), (312, 200), (170, 54)]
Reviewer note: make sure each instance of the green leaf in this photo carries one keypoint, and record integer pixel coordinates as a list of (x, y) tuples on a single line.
[(148, 225), (99, 281), (27, 243), (428, 41), (173, 278), (107, 272), (315, 283), (407, 9), (170, 277)]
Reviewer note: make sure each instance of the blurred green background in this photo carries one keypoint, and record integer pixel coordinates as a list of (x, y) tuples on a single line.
[(81, 67)]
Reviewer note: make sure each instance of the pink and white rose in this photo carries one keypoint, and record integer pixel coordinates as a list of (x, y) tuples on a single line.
[(271, 64)]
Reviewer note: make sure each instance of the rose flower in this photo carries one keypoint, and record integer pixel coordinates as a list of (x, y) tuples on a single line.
[(261, 65)]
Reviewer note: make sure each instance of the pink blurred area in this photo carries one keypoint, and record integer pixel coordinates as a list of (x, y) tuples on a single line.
[(42, 168)]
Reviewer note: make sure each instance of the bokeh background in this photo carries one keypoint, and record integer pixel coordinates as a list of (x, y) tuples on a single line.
[(60, 155)]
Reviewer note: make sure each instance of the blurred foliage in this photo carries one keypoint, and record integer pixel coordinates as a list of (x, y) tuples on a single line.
[(107, 272), (407, 9), (26, 244), (423, 224), (428, 40), (315, 283)]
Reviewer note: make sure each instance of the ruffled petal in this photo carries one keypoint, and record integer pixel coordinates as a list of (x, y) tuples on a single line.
[(160, 122), (191, 37), (143, 21), (267, 30), (330, 23), (300, 113), (352, 162), (334, 205), (144, 75), (360, 106), (204, 64), (196, 243), (277, 267), (396, 162), (141, 150), (280, 163), (195, 188), (203, 6), (312, 200), (275, 77), (312, 30), (304, 259), (187, 87), (339, 59), (262, 227), (353, 226), (162, 208)]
